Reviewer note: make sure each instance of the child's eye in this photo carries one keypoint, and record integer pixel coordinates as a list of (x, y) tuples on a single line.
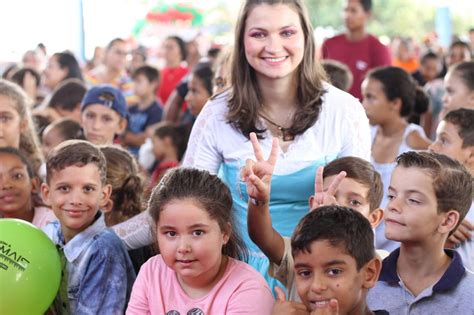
[(18, 176), (107, 119), (5, 119), (390, 197), (304, 273), (334, 272), (355, 203), (443, 140), (90, 115), (198, 233), (63, 189), (170, 233), (414, 201), (89, 189)]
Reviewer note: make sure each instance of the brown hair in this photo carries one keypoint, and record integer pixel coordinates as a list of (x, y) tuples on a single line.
[(245, 97), (29, 144), (338, 73), (452, 183), (362, 172), (127, 185), (75, 153), (209, 192), (177, 133), (463, 119)]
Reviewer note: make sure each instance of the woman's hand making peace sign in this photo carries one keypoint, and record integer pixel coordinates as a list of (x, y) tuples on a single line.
[(258, 174)]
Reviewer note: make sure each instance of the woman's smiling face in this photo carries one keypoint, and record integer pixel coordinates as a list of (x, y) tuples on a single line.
[(274, 41)]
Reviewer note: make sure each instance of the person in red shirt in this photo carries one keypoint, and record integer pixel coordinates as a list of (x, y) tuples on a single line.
[(356, 48), (175, 53)]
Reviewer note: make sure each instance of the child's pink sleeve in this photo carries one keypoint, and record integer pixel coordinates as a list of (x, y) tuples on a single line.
[(139, 303), (253, 297)]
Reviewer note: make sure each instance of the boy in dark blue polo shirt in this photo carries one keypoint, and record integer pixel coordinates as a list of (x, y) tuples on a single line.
[(429, 195)]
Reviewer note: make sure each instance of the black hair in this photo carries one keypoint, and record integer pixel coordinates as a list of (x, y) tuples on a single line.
[(181, 45), (397, 83), (428, 55), (21, 156), (459, 43), (19, 76), (340, 226), (213, 52), (67, 60), (203, 71), (68, 95), (151, 73), (366, 4)]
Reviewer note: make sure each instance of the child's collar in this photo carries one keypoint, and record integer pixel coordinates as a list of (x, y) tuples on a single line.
[(448, 281)]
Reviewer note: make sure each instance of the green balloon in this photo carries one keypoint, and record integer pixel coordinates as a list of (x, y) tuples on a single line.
[(30, 268)]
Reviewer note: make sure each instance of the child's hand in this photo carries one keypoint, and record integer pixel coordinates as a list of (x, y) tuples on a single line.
[(462, 234), (283, 307), (325, 198), (258, 174), (331, 309)]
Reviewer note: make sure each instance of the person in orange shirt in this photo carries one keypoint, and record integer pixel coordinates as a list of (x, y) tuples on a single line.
[(404, 55)]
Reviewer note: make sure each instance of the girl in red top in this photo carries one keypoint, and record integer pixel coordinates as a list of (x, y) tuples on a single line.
[(174, 49)]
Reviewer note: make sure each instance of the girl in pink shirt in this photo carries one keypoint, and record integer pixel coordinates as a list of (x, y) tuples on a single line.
[(197, 271)]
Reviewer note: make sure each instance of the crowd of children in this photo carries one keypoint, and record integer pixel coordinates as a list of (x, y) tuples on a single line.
[(248, 184)]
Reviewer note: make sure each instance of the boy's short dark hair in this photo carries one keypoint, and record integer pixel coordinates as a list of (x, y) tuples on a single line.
[(427, 56), (452, 183), (362, 172), (150, 73), (339, 74), (75, 153), (340, 226), (366, 4), (68, 95), (463, 119), (22, 157)]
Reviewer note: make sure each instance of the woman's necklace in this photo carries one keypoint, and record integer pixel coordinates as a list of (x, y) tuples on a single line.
[(285, 133)]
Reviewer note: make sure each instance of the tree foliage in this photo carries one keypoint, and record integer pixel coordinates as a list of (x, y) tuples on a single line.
[(390, 17)]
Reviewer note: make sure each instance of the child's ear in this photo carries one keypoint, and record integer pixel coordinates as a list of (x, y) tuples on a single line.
[(397, 104), (106, 192), (227, 232), (470, 160), (311, 202), (35, 185), (371, 272), (449, 222), (375, 217), (108, 207), (167, 140), (122, 126), (45, 194)]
